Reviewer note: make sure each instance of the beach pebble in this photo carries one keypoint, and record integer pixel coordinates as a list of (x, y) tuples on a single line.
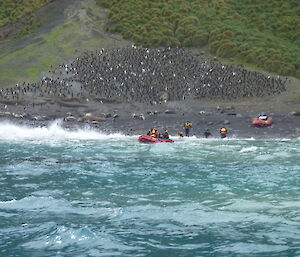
[(164, 96), (226, 122)]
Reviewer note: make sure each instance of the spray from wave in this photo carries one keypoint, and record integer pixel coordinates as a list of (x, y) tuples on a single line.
[(53, 132)]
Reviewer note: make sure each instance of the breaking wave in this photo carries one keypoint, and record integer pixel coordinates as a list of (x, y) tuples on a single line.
[(53, 132)]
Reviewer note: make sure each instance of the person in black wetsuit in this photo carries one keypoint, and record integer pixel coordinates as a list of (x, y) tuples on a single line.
[(207, 133)]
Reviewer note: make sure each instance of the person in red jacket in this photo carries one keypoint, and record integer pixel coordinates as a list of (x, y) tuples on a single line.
[(223, 132)]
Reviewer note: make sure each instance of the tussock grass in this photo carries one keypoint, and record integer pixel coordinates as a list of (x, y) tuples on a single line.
[(261, 33), (13, 10)]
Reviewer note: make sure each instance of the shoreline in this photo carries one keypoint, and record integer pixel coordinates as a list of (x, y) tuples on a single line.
[(135, 120)]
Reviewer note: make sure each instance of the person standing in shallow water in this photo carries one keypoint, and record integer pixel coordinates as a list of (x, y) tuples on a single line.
[(165, 134), (180, 133), (207, 133), (187, 127)]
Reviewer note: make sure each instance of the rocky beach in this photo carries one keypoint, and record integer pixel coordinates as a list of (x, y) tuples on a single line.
[(133, 89)]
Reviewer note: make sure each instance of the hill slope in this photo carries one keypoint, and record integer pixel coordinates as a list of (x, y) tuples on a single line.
[(11, 10), (68, 28), (262, 33)]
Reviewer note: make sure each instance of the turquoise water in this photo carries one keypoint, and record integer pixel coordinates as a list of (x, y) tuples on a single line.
[(82, 193)]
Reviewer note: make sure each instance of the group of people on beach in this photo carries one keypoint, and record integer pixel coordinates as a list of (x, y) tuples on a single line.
[(187, 126)]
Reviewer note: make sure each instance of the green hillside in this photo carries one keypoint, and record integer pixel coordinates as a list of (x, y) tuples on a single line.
[(16, 10), (13, 10), (67, 28), (265, 34)]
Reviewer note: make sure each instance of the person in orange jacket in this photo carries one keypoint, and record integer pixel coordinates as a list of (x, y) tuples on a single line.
[(187, 127)]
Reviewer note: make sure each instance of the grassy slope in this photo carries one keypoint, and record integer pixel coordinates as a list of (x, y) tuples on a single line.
[(82, 29), (22, 12), (260, 33), (13, 10)]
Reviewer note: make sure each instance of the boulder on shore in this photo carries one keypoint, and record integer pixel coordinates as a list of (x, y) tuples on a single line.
[(88, 117)]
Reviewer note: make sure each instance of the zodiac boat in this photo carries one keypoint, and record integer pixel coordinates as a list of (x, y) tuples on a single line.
[(262, 123), (149, 139)]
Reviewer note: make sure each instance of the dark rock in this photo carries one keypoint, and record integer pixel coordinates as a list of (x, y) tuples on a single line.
[(169, 112), (107, 115), (294, 113), (16, 115), (90, 118), (70, 118), (39, 118)]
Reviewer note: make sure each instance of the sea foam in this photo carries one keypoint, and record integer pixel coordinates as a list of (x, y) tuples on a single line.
[(53, 132)]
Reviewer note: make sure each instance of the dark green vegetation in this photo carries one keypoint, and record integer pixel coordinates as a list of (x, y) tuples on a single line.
[(261, 33), (14, 10)]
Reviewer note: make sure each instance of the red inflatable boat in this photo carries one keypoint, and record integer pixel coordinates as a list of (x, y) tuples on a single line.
[(149, 139), (262, 123)]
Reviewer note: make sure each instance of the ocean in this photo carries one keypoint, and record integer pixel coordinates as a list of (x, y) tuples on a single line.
[(83, 193)]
